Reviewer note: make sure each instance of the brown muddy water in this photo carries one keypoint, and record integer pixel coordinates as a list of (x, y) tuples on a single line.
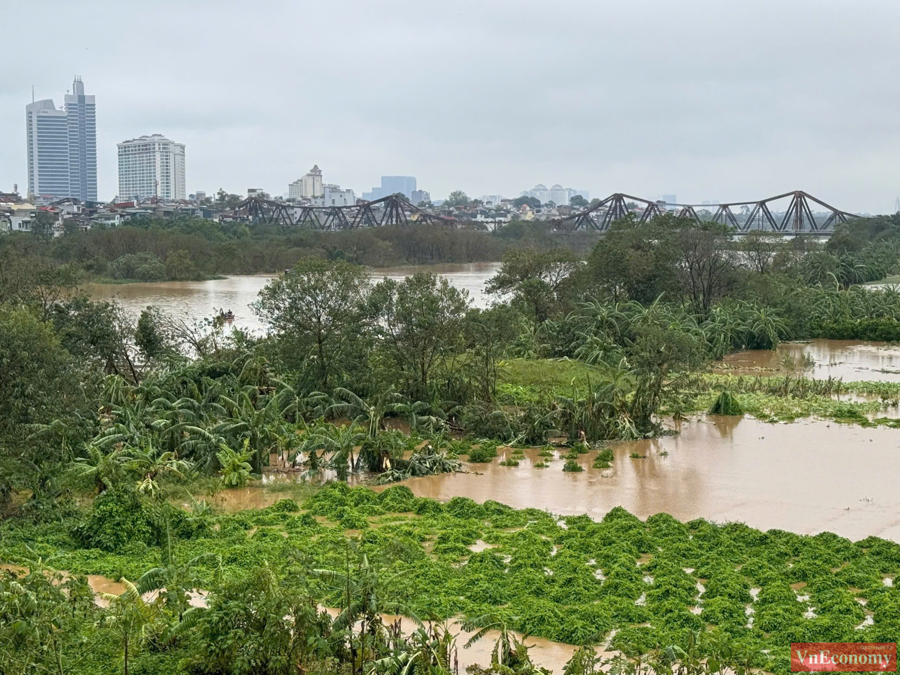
[(551, 655), (845, 359), (197, 300), (806, 477)]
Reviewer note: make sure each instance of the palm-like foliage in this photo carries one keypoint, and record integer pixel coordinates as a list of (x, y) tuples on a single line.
[(103, 469), (364, 601), (130, 618), (236, 470), (174, 579), (339, 443), (510, 654), (150, 464)]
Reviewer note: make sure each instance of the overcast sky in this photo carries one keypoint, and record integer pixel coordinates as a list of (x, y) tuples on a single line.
[(707, 99)]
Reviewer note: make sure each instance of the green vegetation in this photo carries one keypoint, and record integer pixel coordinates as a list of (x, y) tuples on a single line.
[(366, 553), (186, 248), (726, 404), (109, 427)]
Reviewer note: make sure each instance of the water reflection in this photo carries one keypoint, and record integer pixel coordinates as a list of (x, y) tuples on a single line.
[(197, 300), (847, 359), (805, 477)]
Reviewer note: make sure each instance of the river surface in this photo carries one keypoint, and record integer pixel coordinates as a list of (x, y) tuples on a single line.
[(197, 300), (805, 477), (845, 359)]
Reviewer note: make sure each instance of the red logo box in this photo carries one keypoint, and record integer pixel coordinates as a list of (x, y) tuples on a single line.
[(861, 657)]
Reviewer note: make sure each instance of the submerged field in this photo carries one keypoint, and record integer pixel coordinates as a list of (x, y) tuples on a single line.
[(628, 584)]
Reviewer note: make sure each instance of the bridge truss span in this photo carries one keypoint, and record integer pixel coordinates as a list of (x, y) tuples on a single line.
[(797, 218), (392, 210)]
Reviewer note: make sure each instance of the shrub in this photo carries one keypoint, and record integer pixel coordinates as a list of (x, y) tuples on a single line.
[(726, 404), (482, 453), (572, 465), (118, 517)]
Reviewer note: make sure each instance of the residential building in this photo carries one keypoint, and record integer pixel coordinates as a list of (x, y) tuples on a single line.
[(493, 200), (81, 122), (669, 199), (391, 185), (295, 189), (419, 196), (151, 167), (48, 151), (556, 194), (333, 195), (311, 184)]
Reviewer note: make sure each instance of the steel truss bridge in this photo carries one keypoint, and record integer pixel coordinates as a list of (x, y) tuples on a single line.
[(798, 218), (382, 212)]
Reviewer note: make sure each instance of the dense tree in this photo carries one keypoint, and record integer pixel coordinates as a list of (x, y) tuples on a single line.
[(532, 202), (457, 198), (578, 202), (633, 262), (418, 323), (489, 334), (314, 312), (535, 279), (39, 385), (758, 250), (704, 263)]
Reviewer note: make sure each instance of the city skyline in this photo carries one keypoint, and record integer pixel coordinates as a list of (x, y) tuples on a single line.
[(62, 146), (644, 112)]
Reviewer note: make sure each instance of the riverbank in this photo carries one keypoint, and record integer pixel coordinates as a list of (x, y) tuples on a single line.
[(106, 281)]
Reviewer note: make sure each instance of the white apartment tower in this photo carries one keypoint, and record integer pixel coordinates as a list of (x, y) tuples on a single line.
[(62, 147), (151, 166), (311, 184)]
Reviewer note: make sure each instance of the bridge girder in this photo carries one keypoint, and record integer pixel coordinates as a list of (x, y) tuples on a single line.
[(797, 219), (396, 211)]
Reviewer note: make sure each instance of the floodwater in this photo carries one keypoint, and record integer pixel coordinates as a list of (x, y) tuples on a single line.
[(196, 300), (551, 655), (805, 477), (845, 359)]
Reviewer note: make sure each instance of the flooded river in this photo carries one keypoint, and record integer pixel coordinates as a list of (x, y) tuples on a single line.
[(806, 477), (845, 359), (203, 299)]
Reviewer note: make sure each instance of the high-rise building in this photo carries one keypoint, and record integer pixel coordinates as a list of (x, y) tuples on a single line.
[(419, 196), (62, 147), (557, 194), (311, 184), (81, 116), (670, 199), (151, 166), (391, 185), (48, 151)]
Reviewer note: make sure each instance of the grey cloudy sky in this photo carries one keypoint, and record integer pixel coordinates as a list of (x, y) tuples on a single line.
[(707, 99)]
